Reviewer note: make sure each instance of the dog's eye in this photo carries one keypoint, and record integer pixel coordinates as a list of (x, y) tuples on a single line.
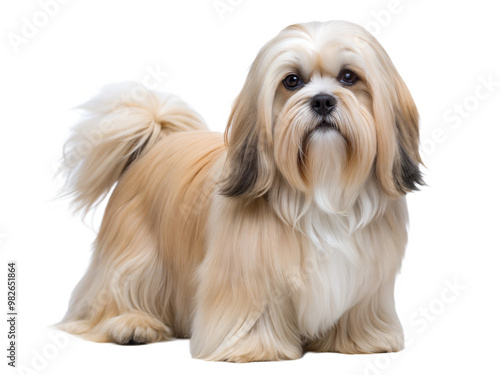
[(347, 77), (292, 82)]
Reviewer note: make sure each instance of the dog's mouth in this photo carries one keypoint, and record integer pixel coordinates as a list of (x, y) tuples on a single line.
[(323, 126)]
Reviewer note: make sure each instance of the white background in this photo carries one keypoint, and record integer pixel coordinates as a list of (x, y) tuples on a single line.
[(444, 50)]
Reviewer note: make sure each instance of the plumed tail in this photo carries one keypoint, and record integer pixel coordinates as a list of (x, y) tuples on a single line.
[(122, 122)]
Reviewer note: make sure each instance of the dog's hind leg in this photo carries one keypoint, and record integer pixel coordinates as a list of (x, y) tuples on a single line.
[(123, 297)]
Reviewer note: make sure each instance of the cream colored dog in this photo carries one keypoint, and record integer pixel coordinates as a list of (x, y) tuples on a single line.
[(286, 237)]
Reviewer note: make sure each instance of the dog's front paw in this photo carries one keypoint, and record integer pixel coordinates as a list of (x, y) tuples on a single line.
[(255, 347), (376, 341), (388, 342), (244, 355), (135, 328), (358, 340)]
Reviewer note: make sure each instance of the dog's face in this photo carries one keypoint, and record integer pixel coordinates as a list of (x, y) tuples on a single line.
[(323, 109)]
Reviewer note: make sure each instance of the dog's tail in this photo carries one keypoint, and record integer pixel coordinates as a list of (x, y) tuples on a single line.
[(123, 122)]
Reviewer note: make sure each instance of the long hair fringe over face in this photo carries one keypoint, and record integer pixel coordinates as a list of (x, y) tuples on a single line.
[(372, 130)]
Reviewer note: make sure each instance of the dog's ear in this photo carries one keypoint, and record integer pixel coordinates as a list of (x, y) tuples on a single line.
[(249, 170), (406, 171), (397, 125)]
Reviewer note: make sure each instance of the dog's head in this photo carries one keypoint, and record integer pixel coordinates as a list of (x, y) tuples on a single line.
[(323, 108)]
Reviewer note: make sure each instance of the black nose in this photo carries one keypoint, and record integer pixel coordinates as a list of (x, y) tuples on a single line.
[(323, 103)]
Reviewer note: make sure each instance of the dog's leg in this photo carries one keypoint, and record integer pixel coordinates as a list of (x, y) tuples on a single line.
[(243, 307), (372, 326), (134, 328), (266, 334), (123, 296)]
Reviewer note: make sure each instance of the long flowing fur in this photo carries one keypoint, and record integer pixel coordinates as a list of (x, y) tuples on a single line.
[(284, 235), (122, 122)]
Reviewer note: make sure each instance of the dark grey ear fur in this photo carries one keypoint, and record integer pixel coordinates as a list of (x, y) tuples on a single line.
[(244, 172), (411, 176), (408, 176)]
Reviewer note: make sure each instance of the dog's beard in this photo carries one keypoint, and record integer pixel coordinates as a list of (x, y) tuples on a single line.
[(326, 189), (326, 153), (328, 159)]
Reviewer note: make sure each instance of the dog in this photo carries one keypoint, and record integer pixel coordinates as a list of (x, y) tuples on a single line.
[(284, 235)]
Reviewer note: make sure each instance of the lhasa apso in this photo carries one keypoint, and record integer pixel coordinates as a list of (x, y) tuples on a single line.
[(282, 236)]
